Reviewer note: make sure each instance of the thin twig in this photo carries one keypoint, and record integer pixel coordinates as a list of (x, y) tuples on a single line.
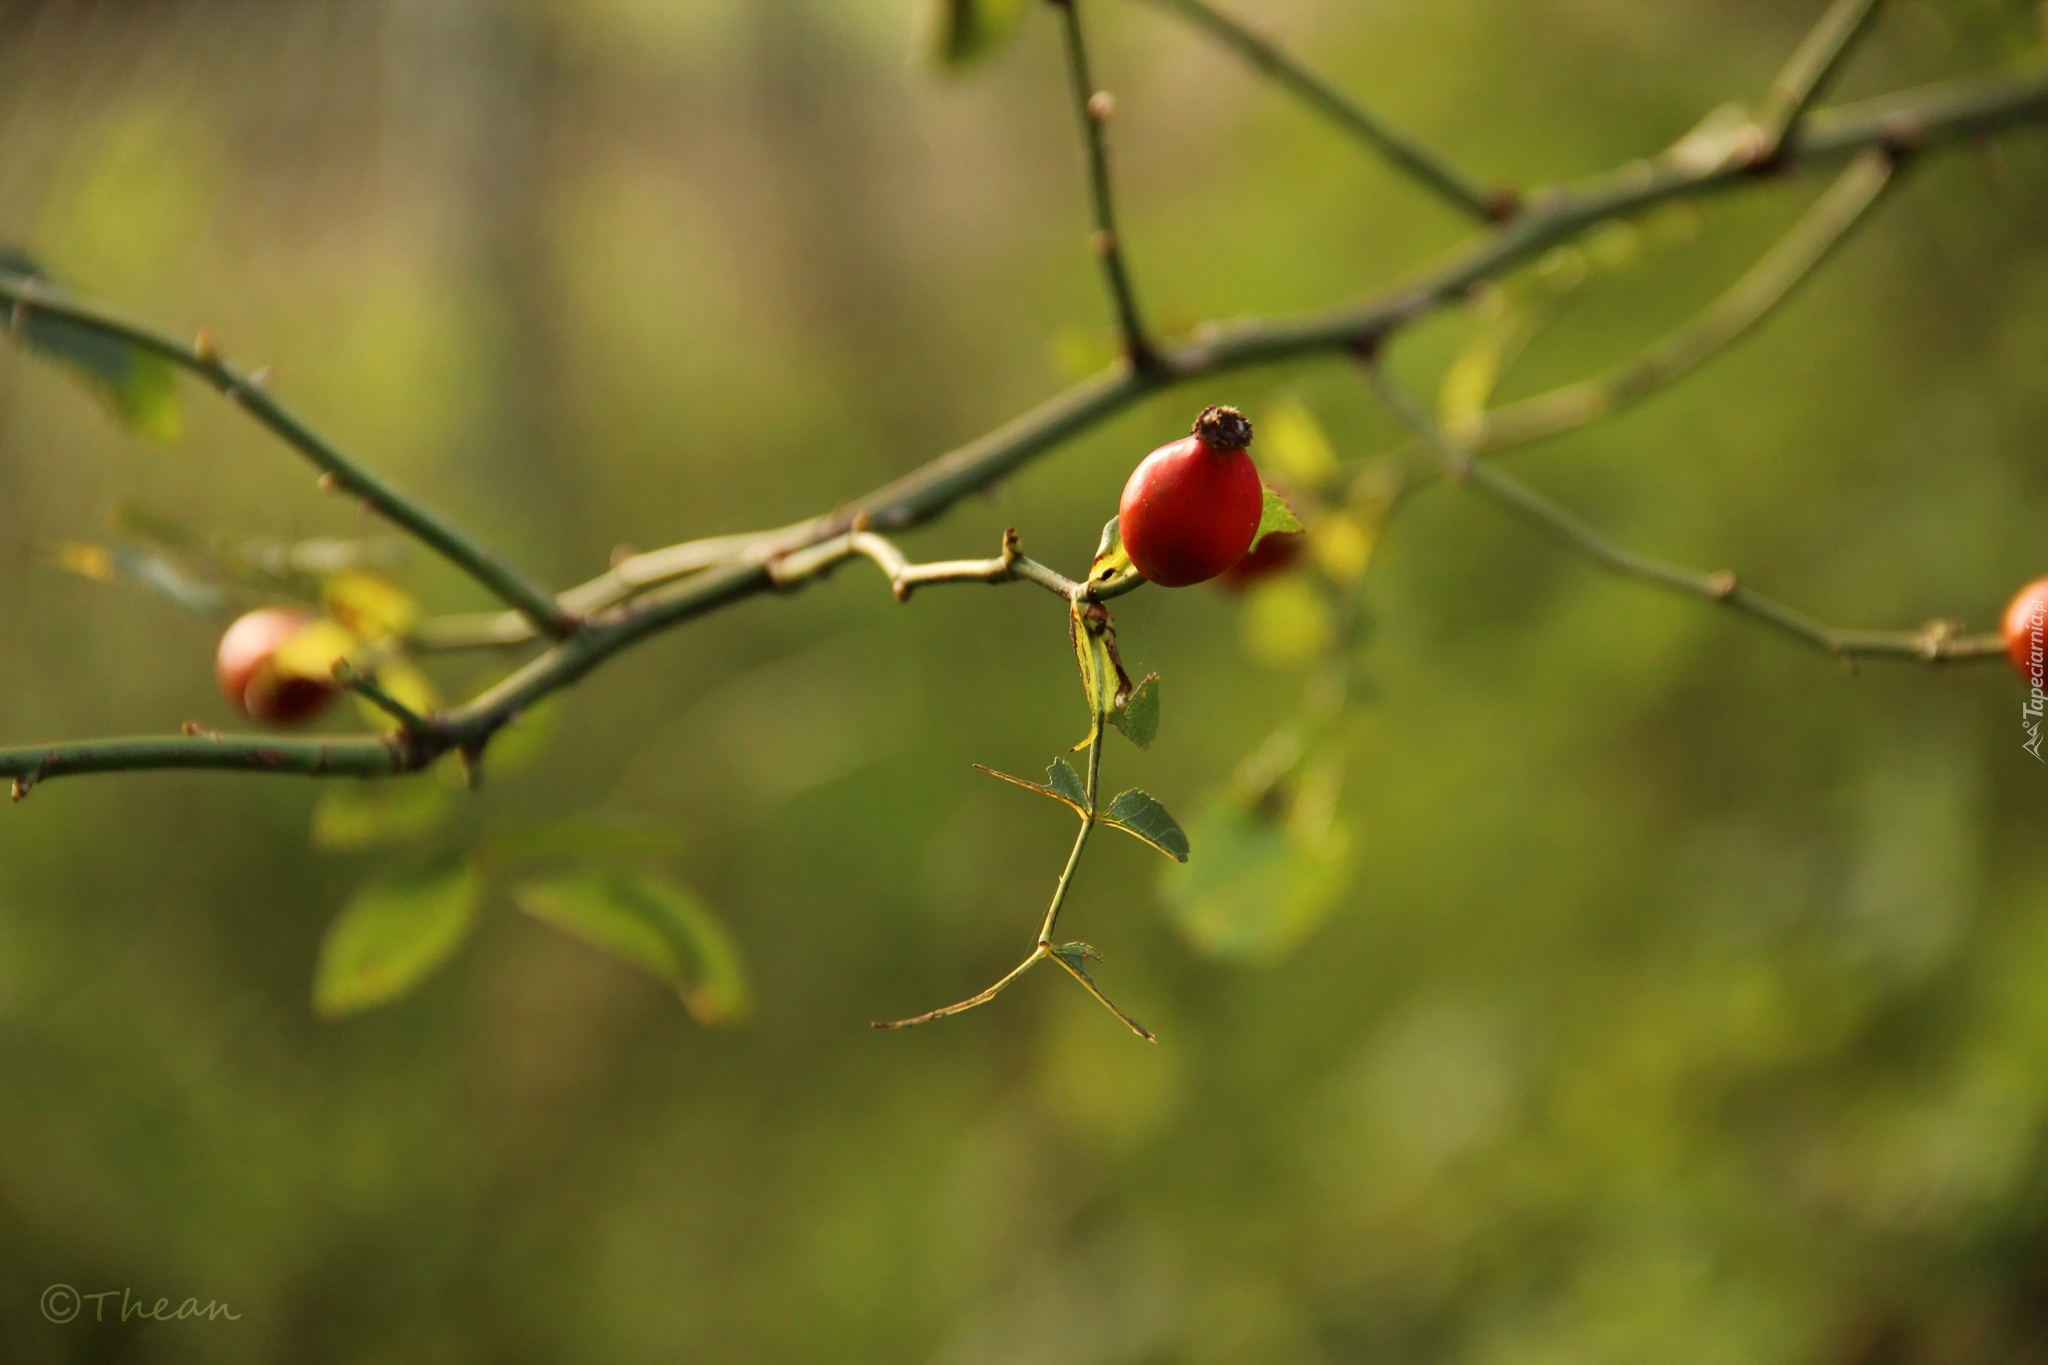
[(373, 692), (1094, 107), (26, 298), (1814, 62), (1936, 643), (1407, 154)]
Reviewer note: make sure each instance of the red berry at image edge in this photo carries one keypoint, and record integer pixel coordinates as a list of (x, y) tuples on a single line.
[(246, 669), (2026, 632), (1191, 508)]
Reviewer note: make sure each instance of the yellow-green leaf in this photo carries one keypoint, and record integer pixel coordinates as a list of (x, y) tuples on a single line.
[(350, 817), (1292, 441), (653, 924), (369, 604), (964, 31), (1275, 518), (391, 935), (140, 388)]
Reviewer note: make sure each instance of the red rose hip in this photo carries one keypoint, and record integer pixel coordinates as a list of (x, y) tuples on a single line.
[(2026, 632), (246, 669), (1191, 509)]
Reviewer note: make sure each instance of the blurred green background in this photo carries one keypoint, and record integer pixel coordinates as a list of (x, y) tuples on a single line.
[(1689, 999)]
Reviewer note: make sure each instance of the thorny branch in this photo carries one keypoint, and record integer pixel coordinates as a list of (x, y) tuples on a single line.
[(648, 594)]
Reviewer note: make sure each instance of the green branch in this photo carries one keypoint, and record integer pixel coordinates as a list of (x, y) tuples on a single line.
[(1937, 643), (27, 298), (1807, 73), (1405, 152), (1723, 322), (1093, 107), (1914, 118)]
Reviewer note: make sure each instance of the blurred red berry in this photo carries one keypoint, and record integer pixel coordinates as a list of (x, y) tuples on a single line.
[(246, 669), (2026, 631)]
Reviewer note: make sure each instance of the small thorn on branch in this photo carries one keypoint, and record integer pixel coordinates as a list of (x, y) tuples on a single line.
[(1723, 585), (330, 483), (21, 788), (205, 348)]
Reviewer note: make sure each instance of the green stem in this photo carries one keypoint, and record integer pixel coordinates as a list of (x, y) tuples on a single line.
[(1730, 317), (1093, 109), (1816, 60), (26, 297), (1936, 644), (1066, 881), (1406, 153)]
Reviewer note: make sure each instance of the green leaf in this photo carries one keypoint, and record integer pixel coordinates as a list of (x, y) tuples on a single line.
[(379, 815), (391, 935), (651, 923), (1292, 441), (1262, 886), (1062, 785), (1138, 717), (1065, 783), (1111, 559), (141, 388), (1076, 955), (1275, 518), (964, 31), (1138, 813)]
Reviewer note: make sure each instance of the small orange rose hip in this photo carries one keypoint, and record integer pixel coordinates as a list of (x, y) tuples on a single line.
[(246, 669)]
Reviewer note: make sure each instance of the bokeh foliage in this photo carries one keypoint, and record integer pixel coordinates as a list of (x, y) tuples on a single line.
[(1683, 1000)]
